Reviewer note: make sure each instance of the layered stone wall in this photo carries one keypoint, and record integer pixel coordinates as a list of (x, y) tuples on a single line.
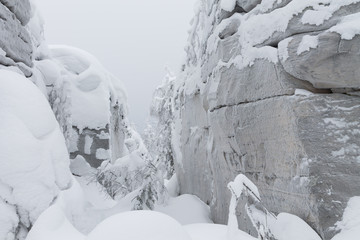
[(278, 103)]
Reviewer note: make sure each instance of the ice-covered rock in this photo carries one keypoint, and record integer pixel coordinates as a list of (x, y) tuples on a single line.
[(240, 107)]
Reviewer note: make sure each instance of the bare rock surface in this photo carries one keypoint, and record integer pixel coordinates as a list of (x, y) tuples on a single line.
[(15, 40), (21, 9)]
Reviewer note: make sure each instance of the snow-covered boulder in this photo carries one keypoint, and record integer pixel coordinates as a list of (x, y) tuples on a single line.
[(33, 157), (88, 101), (238, 107)]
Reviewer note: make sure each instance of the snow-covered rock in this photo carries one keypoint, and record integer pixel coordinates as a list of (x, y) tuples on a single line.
[(329, 62), (88, 101), (33, 157), (21, 9), (238, 109)]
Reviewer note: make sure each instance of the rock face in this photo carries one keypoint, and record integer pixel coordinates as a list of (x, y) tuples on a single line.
[(15, 39), (20, 8), (271, 92)]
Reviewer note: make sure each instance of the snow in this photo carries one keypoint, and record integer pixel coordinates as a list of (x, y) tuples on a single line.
[(33, 157), (90, 109), (8, 219), (49, 69), (71, 212), (103, 135), (315, 17), (288, 226), (213, 232), (38, 118), (302, 92), (92, 91), (86, 208), (36, 29), (283, 49), (228, 5), (95, 194), (323, 10), (172, 186), (54, 222), (88, 143), (54, 225), (186, 209), (307, 42), (349, 26), (102, 154), (73, 140), (242, 184), (350, 223), (139, 225)]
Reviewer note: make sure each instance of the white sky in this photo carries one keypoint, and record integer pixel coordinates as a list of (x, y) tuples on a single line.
[(134, 39)]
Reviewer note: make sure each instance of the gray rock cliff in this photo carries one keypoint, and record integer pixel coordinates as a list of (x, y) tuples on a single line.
[(270, 91)]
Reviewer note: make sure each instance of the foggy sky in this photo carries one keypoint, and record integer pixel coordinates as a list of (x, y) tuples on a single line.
[(133, 39)]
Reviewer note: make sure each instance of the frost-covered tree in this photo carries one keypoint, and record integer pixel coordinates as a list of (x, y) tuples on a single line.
[(153, 189), (136, 171), (158, 137)]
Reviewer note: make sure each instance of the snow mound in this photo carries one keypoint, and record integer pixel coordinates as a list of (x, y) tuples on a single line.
[(91, 87), (186, 209), (54, 225), (33, 157), (288, 226), (139, 225), (350, 223), (213, 232)]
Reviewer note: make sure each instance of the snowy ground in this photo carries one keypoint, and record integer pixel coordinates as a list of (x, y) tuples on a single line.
[(85, 212), (99, 217)]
